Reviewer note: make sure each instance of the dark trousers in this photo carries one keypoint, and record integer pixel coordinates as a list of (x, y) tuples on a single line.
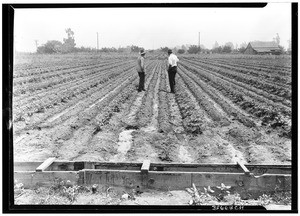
[(142, 80), (172, 73)]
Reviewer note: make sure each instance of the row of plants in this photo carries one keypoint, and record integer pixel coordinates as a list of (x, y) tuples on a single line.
[(272, 67), (218, 98), (100, 98), (192, 114), (208, 107), (60, 100), (257, 82), (90, 115), (89, 78), (252, 92), (45, 72), (271, 116), (43, 85), (281, 65), (269, 90), (86, 76), (44, 64)]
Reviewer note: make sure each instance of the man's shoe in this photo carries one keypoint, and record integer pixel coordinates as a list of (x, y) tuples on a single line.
[(139, 90), (172, 92), (143, 89)]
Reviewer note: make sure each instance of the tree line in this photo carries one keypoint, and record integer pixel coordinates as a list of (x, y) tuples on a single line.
[(68, 46)]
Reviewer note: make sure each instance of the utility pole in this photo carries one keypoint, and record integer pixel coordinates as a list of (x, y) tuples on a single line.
[(97, 42), (199, 41), (36, 44)]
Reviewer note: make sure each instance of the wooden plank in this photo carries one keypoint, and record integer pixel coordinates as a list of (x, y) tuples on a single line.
[(26, 166), (145, 167), (246, 171), (156, 180), (45, 164), (123, 178), (169, 180), (228, 168), (47, 178)]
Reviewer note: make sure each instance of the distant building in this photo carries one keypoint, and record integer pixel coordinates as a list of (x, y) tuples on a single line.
[(259, 47)]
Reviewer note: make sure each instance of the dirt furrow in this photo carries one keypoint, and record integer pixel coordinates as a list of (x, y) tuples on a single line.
[(136, 106)]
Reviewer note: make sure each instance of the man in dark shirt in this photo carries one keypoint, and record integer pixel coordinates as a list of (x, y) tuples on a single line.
[(141, 70)]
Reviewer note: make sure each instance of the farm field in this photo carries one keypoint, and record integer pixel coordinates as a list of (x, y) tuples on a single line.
[(226, 108)]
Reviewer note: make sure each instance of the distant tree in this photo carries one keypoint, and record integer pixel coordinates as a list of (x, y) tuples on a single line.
[(164, 49), (277, 39), (241, 49), (84, 49), (244, 44), (135, 48), (50, 47), (230, 44), (217, 49), (107, 49), (121, 49), (216, 45), (282, 50), (181, 51), (193, 49), (289, 49), (226, 49), (69, 43)]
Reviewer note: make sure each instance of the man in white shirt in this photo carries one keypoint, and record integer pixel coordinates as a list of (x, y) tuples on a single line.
[(172, 69), (141, 70)]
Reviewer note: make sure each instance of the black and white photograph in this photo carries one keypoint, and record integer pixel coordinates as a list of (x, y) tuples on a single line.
[(186, 107)]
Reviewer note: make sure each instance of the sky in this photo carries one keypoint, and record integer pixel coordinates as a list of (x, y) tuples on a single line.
[(152, 28)]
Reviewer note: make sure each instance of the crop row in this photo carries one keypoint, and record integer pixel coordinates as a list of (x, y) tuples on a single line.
[(91, 113), (272, 67), (91, 77), (61, 99), (215, 95), (34, 68), (271, 76), (252, 92), (68, 89), (53, 71), (271, 116), (282, 65), (253, 82), (45, 84)]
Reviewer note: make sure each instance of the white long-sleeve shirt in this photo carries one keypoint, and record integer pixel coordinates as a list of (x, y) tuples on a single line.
[(172, 60)]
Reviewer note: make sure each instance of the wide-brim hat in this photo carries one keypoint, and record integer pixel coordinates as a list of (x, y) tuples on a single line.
[(142, 52), (169, 51)]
